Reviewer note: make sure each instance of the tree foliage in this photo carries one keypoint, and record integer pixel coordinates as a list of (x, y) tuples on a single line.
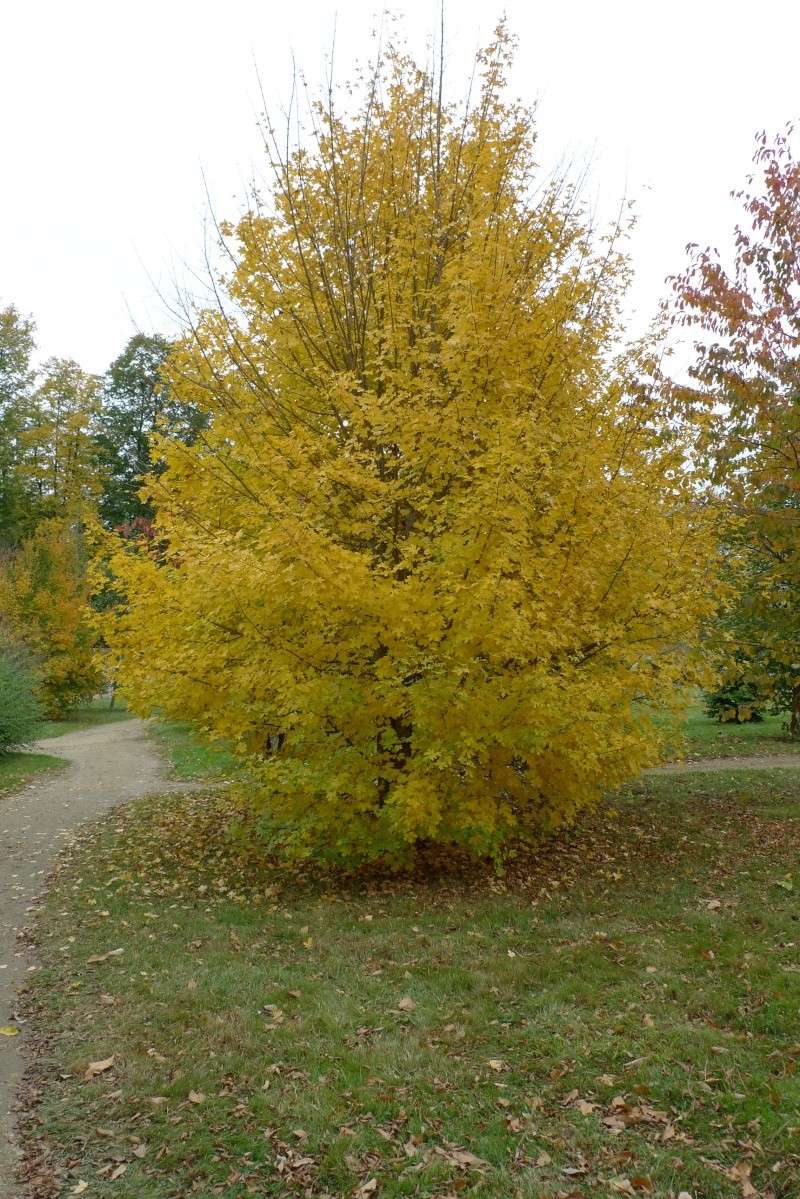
[(136, 405), (44, 605), (745, 399), (16, 383), (60, 459), (436, 561)]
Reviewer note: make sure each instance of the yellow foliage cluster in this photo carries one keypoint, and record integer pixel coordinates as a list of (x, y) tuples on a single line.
[(436, 564), (44, 607)]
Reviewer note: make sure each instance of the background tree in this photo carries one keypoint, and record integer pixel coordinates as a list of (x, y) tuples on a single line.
[(16, 381), (135, 405), (745, 399), (435, 564), (44, 607), (60, 458)]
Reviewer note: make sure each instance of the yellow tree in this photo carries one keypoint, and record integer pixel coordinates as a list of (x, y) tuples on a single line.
[(435, 564), (59, 452), (44, 605)]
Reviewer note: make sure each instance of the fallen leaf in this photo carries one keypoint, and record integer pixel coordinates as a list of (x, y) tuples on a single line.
[(407, 1004), (463, 1157), (196, 1097), (8, 1030), (496, 1063), (100, 1067), (366, 1188), (115, 1174), (79, 1188), (544, 1159), (741, 1173), (103, 957)]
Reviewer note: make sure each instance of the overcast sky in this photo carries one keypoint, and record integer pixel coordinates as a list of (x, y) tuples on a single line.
[(113, 111)]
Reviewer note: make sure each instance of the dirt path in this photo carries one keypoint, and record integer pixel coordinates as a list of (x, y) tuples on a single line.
[(704, 765), (108, 765)]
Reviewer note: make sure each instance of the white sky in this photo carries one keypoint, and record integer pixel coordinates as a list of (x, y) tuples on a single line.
[(112, 110)]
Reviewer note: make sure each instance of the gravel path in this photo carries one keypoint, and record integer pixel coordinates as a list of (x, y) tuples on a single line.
[(109, 765)]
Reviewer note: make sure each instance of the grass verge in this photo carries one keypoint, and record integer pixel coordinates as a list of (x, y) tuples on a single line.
[(189, 756), (702, 737), (93, 714), (16, 769), (618, 1016)]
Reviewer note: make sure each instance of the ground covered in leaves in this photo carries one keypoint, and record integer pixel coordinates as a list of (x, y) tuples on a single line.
[(616, 1017)]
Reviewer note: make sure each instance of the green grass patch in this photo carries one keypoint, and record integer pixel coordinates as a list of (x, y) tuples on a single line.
[(702, 737), (619, 1014), (16, 769), (99, 711), (189, 756)]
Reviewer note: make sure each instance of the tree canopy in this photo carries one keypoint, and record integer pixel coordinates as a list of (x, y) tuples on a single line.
[(436, 563), (745, 400)]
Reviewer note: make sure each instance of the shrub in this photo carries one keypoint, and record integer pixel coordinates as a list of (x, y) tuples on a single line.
[(736, 702), (20, 710)]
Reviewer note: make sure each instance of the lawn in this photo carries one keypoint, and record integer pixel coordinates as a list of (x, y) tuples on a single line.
[(702, 737), (16, 769), (619, 1016), (189, 756), (97, 712)]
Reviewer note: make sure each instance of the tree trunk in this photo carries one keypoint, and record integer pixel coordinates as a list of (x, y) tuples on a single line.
[(794, 722)]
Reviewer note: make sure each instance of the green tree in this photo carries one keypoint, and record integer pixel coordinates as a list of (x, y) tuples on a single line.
[(135, 405)]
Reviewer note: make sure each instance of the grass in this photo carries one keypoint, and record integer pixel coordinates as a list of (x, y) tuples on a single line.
[(620, 1015), (16, 769), (93, 714), (189, 756), (703, 737)]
